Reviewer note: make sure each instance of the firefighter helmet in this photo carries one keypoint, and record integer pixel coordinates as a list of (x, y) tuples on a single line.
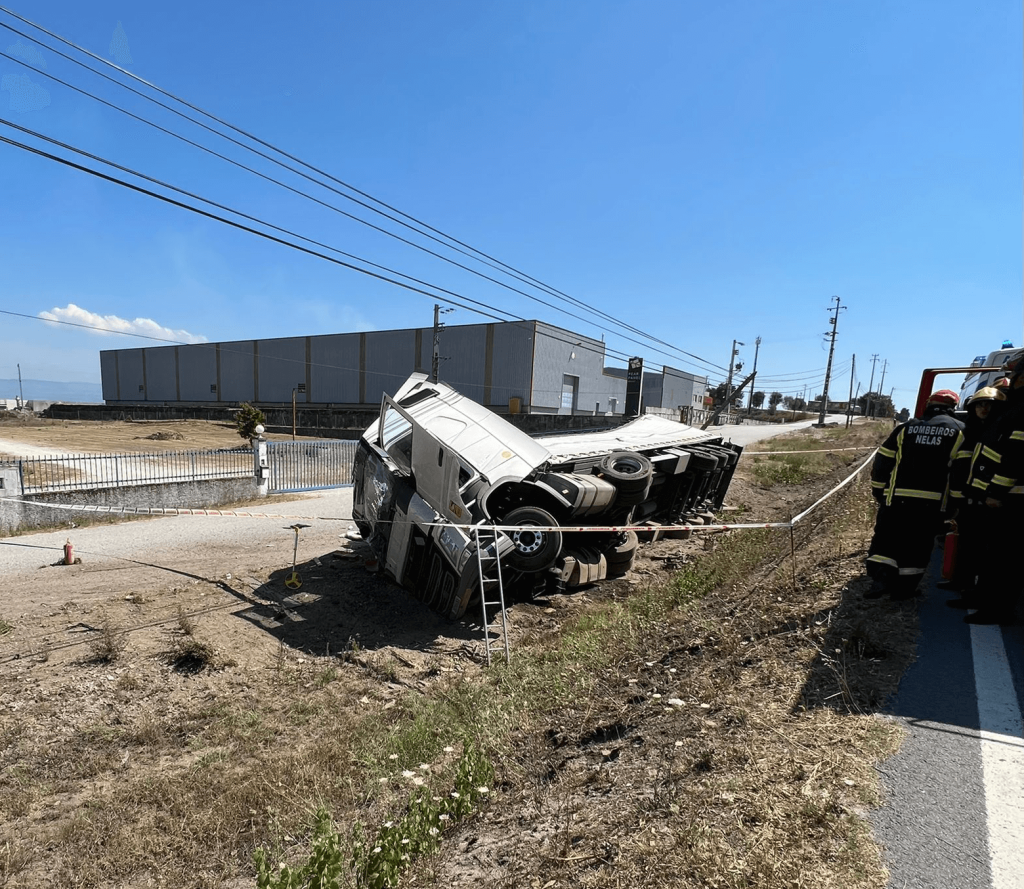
[(945, 397), (989, 393), (1002, 383)]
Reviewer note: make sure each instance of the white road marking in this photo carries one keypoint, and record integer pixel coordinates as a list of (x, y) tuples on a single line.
[(1002, 756)]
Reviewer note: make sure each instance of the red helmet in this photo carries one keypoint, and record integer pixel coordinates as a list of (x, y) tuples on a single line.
[(1002, 383), (945, 397)]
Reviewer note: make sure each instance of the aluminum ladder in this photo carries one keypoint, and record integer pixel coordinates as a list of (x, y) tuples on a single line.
[(492, 590)]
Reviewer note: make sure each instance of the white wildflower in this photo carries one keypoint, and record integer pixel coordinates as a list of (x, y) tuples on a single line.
[(407, 774)]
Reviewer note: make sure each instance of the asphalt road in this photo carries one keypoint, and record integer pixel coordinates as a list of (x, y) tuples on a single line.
[(954, 815)]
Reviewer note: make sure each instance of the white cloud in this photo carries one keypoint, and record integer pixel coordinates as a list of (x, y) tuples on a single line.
[(107, 324)]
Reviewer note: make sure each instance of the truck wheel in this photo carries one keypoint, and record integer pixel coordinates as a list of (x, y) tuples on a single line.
[(631, 474), (620, 556), (534, 550)]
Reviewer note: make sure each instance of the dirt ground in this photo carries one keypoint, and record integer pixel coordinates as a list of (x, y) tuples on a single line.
[(120, 437), (81, 731)]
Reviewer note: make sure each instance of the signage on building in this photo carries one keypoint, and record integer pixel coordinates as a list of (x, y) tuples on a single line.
[(634, 386)]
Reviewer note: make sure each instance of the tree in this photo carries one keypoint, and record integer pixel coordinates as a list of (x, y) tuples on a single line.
[(247, 419), (757, 400), (773, 401), (874, 404), (718, 394)]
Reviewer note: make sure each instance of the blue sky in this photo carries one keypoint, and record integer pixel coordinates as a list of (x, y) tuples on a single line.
[(703, 172)]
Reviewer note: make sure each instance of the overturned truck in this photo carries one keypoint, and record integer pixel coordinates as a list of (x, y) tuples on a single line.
[(445, 491)]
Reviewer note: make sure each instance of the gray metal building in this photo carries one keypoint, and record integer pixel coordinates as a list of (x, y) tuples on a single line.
[(517, 366)]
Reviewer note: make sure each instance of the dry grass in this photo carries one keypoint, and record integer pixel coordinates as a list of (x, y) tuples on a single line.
[(109, 643), (710, 730)]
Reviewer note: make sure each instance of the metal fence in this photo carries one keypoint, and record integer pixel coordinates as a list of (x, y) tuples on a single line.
[(77, 472), (310, 465)]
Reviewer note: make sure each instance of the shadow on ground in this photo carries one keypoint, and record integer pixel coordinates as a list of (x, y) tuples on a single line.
[(341, 606)]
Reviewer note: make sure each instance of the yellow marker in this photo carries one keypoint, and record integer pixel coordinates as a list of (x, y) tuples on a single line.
[(293, 581)]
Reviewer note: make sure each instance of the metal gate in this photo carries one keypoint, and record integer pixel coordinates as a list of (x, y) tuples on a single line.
[(309, 465)]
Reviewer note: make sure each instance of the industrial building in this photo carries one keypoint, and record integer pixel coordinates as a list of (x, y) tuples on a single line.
[(515, 367)]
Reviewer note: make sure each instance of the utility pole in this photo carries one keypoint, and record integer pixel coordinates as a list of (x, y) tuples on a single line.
[(728, 382), (849, 404), (837, 308), (753, 378), (869, 402), (435, 363), (881, 385), (21, 391)]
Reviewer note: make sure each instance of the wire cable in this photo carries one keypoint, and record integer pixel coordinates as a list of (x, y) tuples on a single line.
[(551, 291), (482, 308)]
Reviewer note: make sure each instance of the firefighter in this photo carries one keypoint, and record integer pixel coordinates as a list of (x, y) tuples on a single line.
[(996, 486), (909, 479), (983, 410)]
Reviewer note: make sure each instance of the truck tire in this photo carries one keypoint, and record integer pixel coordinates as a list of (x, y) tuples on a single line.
[(631, 473), (620, 556), (533, 550)]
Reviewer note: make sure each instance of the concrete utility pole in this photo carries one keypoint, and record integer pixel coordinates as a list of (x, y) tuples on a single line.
[(435, 363), (21, 391), (753, 378), (837, 308), (881, 385), (869, 403), (849, 404), (728, 382)]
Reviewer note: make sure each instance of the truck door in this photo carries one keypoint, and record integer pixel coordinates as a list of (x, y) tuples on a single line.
[(435, 467)]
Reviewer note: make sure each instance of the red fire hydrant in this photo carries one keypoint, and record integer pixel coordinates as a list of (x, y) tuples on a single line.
[(69, 553)]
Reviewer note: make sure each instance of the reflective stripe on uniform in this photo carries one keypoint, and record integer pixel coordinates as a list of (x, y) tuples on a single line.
[(920, 495), (956, 495), (883, 560), (878, 484), (1003, 481), (904, 571), (886, 452), (979, 484), (1018, 435), (992, 455), (895, 467)]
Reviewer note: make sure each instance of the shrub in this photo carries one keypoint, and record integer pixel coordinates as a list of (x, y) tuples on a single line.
[(247, 419)]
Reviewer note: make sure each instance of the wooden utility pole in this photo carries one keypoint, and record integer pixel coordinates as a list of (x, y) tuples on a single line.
[(881, 385), (837, 308)]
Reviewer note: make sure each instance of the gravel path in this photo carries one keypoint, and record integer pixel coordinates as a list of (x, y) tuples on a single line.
[(179, 539)]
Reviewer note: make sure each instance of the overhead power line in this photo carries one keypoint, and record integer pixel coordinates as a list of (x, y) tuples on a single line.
[(510, 269), (453, 297), (476, 306)]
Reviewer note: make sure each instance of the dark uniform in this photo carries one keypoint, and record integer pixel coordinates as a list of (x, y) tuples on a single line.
[(909, 479), (969, 513), (996, 487)]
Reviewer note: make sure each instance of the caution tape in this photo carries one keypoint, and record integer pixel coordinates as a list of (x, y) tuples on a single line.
[(815, 451), (167, 511), (570, 529)]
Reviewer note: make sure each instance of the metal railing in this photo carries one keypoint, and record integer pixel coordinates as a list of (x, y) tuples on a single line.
[(77, 472)]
